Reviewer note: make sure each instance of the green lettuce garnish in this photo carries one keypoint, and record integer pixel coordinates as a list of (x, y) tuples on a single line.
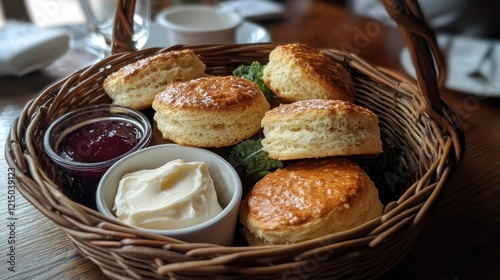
[(250, 160), (253, 72)]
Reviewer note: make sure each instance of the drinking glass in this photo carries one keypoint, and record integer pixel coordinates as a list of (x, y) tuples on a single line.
[(100, 15)]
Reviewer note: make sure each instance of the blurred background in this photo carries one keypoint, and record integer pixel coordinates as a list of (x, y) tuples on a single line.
[(477, 18)]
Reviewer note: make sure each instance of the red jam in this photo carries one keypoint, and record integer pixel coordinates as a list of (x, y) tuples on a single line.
[(84, 143), (99, 141)]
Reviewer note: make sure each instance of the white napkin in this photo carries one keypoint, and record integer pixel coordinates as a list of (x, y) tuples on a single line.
[(472, 60), (25, 47), (472, 64), (487, 68), (475, 56)]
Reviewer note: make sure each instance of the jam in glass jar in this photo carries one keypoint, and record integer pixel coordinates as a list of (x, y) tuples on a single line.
[(86, 142)]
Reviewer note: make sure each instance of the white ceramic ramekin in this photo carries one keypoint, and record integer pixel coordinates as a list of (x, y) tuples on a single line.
[(218, 230)]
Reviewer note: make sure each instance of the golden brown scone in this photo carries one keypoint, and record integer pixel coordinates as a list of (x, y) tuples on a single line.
[(320, 128), (210, 111), (298, 72), (309, 199), (135, 85)]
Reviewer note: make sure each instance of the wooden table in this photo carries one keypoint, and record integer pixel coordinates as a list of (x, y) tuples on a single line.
[(460, 241)]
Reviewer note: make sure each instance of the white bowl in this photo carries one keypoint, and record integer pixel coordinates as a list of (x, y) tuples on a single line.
[(199, 24), (218, 230)]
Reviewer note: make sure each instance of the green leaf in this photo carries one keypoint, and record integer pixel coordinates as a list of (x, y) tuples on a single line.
[(254, 72), (251, 161)]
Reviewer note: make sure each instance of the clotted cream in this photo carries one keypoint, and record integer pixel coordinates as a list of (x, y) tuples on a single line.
[(175, 195)]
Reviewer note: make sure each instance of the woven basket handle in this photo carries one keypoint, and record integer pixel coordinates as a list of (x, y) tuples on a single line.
[(423, 48), (123, 27)]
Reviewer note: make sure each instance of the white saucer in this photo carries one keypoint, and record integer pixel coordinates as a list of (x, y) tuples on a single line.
[(458, 77), (255, 10), (248, 32)]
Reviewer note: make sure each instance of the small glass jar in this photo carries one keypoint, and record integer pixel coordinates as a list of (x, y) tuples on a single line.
[(86, 142)]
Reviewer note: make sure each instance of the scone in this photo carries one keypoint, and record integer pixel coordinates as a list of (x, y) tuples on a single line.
[(298, 72), (308, 199), (135, 85), (210, 111), (320, 128)]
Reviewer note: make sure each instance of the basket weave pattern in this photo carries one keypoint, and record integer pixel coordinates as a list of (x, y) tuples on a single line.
[(429, 141)]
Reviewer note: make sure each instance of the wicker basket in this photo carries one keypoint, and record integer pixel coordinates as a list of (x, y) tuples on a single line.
[(414, 123)]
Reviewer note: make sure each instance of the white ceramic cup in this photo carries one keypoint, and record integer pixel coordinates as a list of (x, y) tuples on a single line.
[(199, 24), (218, 230)]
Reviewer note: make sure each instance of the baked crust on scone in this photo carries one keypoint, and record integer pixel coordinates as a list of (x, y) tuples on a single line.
[(298, 72), (135, 85), (214, 111), (320, 128), (308, 199)]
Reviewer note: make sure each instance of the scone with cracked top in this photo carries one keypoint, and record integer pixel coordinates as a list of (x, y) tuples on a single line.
[(215, 111), (320, 128), (308, 199), (136, 84), (298, 72)]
